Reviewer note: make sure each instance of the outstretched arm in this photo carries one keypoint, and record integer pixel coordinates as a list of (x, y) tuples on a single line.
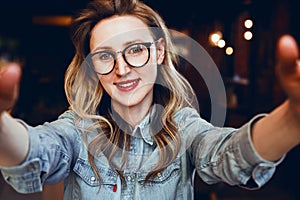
[(14, 139), (279, 132)]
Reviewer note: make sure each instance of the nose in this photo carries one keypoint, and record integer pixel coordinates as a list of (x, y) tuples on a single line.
[(122, 67)]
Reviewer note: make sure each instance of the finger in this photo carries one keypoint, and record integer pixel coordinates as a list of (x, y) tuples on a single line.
[(9, 79), (287, 54)]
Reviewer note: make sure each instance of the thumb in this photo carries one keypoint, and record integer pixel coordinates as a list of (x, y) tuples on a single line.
[(9, 80), (287, 54)]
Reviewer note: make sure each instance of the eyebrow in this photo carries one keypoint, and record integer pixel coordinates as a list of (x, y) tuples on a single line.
[(110, 48)]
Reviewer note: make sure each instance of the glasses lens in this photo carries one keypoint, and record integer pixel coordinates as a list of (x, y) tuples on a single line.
[(137, 55), (103, 62)]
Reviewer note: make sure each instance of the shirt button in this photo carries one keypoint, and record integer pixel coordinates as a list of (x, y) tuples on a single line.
[(159, 174), (93, 178), (128, 178), (31, 167)]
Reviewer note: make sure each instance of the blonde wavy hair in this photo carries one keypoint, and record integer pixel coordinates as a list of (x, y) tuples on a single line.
[(89, 100)]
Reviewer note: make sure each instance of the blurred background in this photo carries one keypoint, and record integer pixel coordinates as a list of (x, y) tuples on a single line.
[(240, 36)]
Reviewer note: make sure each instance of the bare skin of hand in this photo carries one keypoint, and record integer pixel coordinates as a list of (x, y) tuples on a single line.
[(288, 70), (14, 140), (10, 76), (281, 128)]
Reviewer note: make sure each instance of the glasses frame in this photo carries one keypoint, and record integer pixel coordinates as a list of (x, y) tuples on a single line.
[(114, 55)]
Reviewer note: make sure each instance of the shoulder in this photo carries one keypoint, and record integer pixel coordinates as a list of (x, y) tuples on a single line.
[(65, 123), (189, 119), (68, 114), (185, 113)]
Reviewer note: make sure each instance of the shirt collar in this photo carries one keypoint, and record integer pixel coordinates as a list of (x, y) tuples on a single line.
[(143, 129)]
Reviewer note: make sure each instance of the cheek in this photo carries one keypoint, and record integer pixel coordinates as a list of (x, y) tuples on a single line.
[(105, 82), (151, 71)]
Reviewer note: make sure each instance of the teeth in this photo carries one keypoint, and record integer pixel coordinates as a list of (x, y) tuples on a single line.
[(127, 84)]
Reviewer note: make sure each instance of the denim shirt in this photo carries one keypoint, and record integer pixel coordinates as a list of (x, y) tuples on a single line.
[(57, 152)]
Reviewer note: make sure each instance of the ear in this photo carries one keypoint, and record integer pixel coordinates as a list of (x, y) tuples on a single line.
[(160, 47)]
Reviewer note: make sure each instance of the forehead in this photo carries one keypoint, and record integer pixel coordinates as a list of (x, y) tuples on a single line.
[(118, 30)]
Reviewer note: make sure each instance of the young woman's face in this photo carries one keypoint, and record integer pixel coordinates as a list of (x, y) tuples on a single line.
[(128, 86)]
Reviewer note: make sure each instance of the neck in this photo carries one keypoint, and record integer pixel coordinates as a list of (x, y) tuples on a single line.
[(133, 115)]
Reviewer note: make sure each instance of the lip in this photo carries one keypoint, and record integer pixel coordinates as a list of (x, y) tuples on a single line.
[(127, 85)]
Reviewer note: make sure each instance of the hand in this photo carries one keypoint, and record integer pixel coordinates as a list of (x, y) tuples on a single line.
[(288, 70), (10, 75)]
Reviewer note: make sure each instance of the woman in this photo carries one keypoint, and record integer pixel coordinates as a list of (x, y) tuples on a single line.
[(131, 131)]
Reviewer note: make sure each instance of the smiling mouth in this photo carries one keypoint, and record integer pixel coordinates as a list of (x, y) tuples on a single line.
[(127, 84)]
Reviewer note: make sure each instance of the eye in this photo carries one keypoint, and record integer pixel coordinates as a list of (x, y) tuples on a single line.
[(136, 49), (103, 56)]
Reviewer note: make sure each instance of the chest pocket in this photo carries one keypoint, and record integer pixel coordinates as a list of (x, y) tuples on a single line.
[(84, 170), (170, 173)]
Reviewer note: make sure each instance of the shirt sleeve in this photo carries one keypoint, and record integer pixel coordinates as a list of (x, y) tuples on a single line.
[(52, 150), (226, 154)]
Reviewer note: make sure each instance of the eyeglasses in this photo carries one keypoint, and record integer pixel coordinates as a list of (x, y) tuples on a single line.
[(135, 55)]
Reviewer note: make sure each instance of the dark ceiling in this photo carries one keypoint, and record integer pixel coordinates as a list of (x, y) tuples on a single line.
[(174, 11), (17, 15)]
